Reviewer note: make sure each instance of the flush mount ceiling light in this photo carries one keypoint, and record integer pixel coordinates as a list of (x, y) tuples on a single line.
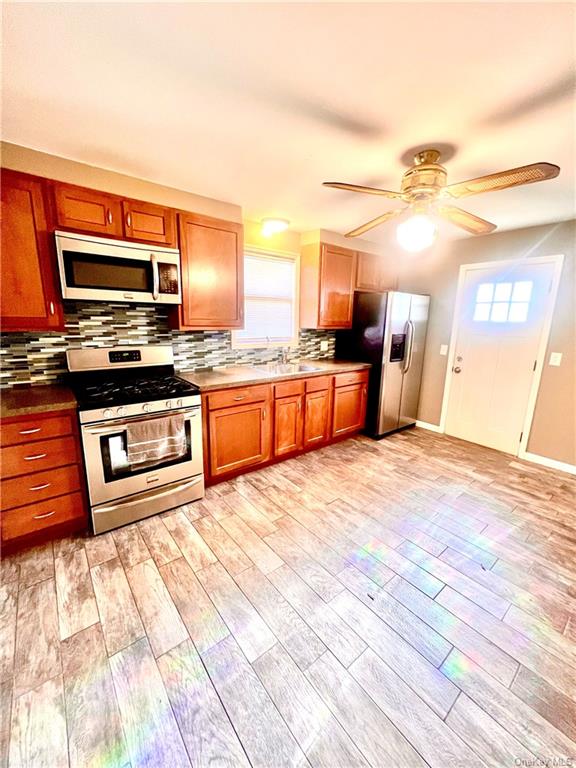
[(425, 184), (274, 226)]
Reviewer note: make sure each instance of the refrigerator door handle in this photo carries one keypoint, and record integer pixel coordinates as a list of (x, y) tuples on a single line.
[(410, 345)]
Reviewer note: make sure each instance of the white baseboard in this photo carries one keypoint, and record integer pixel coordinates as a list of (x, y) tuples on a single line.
[(550, 463), (431, 427)]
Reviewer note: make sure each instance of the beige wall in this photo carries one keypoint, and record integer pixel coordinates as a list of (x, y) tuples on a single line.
[(553, 433), (39, 163)]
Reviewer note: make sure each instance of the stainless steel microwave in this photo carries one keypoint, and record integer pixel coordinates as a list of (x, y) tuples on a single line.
[(99, 269)]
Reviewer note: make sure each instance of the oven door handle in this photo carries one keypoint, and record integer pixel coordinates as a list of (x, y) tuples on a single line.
[(112, 426), (157, 494), (155, 277)]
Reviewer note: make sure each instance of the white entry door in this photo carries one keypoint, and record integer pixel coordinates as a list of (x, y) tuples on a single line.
[(502, 309)]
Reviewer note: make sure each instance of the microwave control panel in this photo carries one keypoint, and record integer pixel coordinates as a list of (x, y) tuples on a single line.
[(168, 278)]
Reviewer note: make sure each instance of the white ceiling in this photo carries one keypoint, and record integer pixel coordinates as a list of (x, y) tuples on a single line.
[(257, 104)]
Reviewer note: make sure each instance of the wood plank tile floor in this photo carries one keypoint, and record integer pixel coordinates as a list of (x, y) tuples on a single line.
[(409, 602)]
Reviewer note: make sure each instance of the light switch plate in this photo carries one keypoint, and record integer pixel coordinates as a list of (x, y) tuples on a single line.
[(555, 358), (324, 346), (444, 349)]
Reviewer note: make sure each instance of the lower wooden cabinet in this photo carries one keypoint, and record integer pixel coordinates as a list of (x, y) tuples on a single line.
[(239, 437), (288, 425), (349, 409), (248, 426), (42, 489)]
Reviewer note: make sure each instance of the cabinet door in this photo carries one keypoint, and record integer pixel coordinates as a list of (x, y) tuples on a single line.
[(212, 273), (146, 221), (239, 437), (337, 275), (368, 272), (288, 425), (29, 299), (88, 210), (316, 417), (349, 409)]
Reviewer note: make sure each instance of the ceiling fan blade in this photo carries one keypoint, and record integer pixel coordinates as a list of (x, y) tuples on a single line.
[(366, 190), (526, 174), (466, 220), (374, 222)]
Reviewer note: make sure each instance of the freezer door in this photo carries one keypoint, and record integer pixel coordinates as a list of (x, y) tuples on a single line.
[(393, 361), (414, 359)]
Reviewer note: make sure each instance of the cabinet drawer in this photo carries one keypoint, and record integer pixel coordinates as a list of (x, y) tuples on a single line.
[(289, 388), (228, 397), (318, 383), (354, 377), (39, 455), (36, 517), (40, 486), (22, 432)]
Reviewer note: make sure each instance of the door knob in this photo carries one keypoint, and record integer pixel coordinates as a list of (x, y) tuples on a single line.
[(457, 369)]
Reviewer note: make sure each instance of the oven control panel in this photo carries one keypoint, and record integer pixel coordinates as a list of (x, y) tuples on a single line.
[(125, 356)]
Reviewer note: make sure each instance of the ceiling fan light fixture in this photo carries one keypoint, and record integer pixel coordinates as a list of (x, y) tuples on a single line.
[(416, 233), (271, 227)]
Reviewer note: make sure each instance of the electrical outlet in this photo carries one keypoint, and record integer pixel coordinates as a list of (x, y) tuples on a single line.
[(324, 346), (444, 349), (555, 358)]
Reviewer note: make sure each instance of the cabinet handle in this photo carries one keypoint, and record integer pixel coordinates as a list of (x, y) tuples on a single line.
[(299, 405), (109, 216), (264, 414), (40, 487), (240, 397), (52, 309), (30, 431), (129, 220), (46, 514), (36, 456)]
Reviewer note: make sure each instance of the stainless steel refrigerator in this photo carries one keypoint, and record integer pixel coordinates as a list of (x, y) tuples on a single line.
[(388, 331)]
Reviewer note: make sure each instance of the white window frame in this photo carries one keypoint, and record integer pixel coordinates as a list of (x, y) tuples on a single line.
[(251, 250)]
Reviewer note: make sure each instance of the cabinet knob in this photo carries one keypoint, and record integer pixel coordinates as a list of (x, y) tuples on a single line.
[(129, 220), (109, 217), (52, 308)]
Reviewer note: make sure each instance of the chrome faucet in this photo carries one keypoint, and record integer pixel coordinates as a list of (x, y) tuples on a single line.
[(284, 355)]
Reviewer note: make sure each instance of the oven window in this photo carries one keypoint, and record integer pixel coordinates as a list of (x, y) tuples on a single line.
[(115, 460), (85, 270)]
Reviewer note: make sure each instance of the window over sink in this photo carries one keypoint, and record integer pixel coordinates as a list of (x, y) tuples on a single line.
[(270, 301)]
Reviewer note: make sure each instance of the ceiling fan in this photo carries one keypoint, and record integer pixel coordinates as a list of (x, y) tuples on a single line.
[(424, 189)]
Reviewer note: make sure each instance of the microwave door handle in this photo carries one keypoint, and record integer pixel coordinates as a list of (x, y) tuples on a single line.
[(155, 277)]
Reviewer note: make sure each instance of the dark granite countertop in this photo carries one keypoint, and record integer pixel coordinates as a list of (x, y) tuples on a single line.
[(242, 375), (21, 401)]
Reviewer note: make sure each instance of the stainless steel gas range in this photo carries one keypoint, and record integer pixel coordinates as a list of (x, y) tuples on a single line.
[(141, 432)]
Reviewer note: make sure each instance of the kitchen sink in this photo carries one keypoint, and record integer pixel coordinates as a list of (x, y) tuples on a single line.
[(284, 368)]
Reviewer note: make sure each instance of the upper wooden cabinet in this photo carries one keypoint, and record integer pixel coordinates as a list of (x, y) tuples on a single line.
[(211, 252), (373, 273), (327, 278), (89, 210), (146, 221), (29, 299)]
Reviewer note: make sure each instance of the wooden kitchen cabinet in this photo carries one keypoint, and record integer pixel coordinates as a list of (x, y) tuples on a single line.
[(317, 410), (88, 210), (349, 412), (288, 417), (374, 273), (212, 259), (149, 222), (30, 299), (327, 279), (239, 435), (42, 488), (367, 272)]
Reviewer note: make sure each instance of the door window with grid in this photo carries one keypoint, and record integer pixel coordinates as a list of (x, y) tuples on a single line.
[(270, 302)]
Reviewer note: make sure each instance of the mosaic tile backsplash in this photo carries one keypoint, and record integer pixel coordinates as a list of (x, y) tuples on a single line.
[(31, 358)]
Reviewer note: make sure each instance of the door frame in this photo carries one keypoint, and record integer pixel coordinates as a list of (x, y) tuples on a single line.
[(557, 260)]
